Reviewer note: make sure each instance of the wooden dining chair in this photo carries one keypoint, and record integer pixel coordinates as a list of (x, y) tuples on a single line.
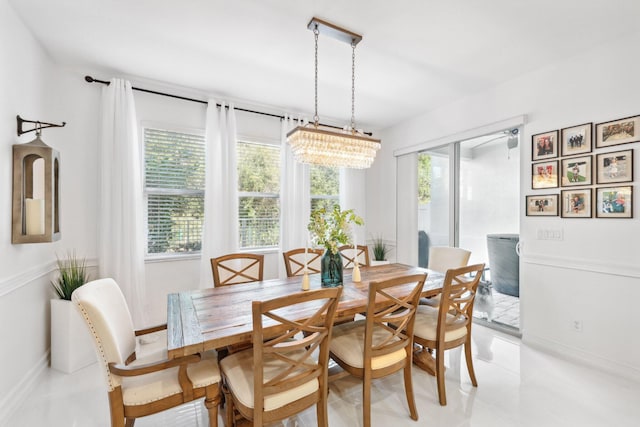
[(280, 376), (382, 343), (237, 268), (449, 325), (350, 254), (137, 386), (294, 261), (441, 259)]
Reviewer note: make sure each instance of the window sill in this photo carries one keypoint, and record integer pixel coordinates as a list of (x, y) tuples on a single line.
[(171, 258), (189, 257)]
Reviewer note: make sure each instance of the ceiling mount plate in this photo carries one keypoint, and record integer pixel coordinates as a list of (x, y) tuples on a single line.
[(331, 30)]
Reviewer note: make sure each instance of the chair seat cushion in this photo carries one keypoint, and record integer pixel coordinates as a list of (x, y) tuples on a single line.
[(158, 385), (426, 324), (238, 371), (347, 343)]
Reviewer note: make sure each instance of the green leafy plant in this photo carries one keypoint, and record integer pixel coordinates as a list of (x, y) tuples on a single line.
[(72, 273), (332, 229), (380, 249)]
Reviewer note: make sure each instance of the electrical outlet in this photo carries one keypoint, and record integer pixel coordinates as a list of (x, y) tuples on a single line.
[(577, 325)]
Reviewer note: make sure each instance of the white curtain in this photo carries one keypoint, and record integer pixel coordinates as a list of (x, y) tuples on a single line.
[(220, 229), (121, 225), (294, 197), (352, 196)]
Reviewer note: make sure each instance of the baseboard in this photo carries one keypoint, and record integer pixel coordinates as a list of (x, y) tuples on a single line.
[(573, 354), (19, 393)]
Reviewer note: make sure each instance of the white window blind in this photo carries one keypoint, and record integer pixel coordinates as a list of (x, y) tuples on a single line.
[(325, 187), (258, 195), (174, 191)]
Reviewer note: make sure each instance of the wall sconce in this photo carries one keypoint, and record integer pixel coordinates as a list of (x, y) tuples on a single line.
[(36, 188)]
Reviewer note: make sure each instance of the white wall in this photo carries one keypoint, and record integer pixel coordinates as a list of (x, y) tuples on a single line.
[(26, 88), (597, 262)]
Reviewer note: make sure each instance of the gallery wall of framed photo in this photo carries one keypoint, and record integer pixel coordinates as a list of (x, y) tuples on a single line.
[(594, 176)]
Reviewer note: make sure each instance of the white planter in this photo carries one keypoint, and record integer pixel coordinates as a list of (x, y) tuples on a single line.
[(374, 263), (72, 346)]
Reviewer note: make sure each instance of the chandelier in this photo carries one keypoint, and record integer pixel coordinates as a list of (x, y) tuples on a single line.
[(322, 145)]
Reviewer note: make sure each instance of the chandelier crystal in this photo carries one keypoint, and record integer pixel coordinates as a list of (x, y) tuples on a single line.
[(320, 145)]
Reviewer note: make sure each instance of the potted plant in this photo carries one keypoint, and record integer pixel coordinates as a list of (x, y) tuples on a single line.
[(380, 251), (71, 345), (332, 229)]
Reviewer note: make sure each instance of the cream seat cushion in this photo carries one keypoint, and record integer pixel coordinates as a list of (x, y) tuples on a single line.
[(238, 369), (347, 343), (426, 324), (158, 385)]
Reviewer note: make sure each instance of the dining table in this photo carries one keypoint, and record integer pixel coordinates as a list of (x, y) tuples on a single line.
[(214, 318)]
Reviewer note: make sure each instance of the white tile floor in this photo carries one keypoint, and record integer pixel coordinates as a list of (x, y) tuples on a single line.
[(518, 386)]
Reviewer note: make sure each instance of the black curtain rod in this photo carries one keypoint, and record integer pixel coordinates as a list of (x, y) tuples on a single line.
[(90, 79)]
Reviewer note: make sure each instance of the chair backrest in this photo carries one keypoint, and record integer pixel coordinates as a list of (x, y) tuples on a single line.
[(292, 342), (107, 316), (350, 254), (390, 314), (237, 268), (442, 258), (295, 259), (458, 295)]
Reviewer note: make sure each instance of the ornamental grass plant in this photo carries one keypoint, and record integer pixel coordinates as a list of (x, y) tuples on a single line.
[(72, 273)]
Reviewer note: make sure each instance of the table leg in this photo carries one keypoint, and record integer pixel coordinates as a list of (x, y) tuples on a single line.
[(424, 360)]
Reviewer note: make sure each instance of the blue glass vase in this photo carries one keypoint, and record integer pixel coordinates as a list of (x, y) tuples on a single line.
[(331, 269)]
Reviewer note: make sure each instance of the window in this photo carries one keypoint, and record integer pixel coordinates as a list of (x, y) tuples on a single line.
[(174, 190), (258, 195), (325, 187)]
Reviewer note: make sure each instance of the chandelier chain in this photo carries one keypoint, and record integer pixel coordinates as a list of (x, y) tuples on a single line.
[(316, 118), (353, 85)]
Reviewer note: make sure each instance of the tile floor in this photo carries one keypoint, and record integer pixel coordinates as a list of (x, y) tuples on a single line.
[(506, 310), (518, 386)]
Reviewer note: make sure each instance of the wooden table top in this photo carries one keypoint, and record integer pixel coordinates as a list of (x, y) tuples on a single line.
[(205, 319)]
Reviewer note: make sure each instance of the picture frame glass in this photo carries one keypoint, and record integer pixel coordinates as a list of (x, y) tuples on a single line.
[(576, 203), (544, 175), (576, 171), (544, 145), (614, 167), (622, 131), (576, 139), (614, 202), (542, 205)]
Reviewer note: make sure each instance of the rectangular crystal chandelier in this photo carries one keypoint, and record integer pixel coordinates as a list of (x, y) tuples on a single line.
[(319, 145)]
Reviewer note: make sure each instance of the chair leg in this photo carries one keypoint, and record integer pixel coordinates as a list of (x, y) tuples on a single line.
[(366, 400), (229, 419), (212, 402), (321, 410), (467, 355), (116, 408), (442, 394), (408, 389), (129, 422)]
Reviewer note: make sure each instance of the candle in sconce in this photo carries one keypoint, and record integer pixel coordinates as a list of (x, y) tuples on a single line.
[(34, 216)]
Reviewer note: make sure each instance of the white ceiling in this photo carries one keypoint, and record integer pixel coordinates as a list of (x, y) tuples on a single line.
[(415, 55)]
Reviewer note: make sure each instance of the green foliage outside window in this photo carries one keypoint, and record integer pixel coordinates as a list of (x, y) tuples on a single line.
[(424, 179)]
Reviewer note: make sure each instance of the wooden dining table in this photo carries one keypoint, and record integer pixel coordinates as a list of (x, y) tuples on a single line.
[(205, 319)]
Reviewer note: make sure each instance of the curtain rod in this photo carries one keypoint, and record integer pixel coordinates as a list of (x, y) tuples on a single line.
[(90, 79)]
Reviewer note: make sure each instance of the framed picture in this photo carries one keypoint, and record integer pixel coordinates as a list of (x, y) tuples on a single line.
[(617, 132), (576, 139), (544, 175), (576, 203), (614, 202), (614, 167), (544, 145), (576, 171), (542, 205)]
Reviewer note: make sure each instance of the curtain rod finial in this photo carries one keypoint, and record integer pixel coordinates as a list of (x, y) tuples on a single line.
[(89, 79)]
